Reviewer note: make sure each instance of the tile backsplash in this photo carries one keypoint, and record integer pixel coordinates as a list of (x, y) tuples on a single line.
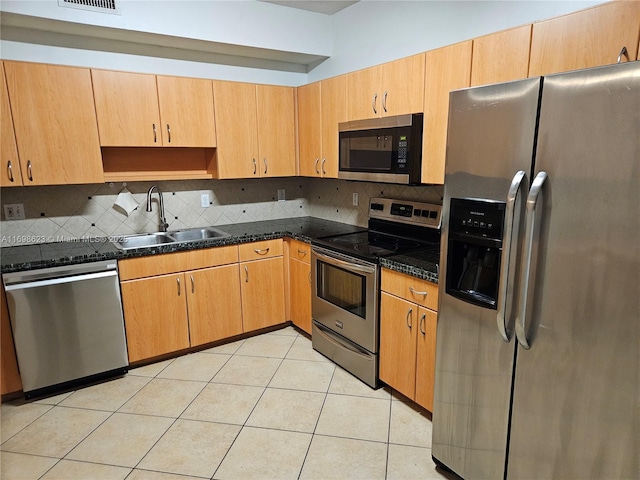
[(67, 212)]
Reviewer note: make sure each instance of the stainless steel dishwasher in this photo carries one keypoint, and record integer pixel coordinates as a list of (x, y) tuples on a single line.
[(67, 325)]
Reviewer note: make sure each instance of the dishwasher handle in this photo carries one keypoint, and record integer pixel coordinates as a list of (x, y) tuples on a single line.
[(60, 280)]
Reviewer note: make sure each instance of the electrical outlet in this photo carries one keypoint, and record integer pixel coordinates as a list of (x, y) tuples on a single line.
[(355, 199), (281, 195), (204, 200), (14, 211)]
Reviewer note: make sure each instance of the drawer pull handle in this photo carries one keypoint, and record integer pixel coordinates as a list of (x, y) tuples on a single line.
[(302, 252), (409, 324), (262, 251), (422, 320), (415, 292), (178, 280), (246, 274), (624, 52), (193, 284)]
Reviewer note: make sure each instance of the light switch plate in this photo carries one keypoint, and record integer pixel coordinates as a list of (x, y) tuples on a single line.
[(204, 200), (355, 199), (281, 197)]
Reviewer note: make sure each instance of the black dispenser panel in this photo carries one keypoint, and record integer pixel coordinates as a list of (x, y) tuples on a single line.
[(475, 250)]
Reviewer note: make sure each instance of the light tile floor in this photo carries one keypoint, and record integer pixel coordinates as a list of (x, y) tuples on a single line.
[(267, 407)]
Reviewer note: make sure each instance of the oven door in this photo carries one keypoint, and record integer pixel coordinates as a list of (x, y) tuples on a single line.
[(344, 296)]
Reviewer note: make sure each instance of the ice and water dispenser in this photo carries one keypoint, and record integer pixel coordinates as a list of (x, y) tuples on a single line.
[(474, 250)]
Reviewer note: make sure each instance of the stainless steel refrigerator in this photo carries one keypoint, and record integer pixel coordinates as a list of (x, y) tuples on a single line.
[(537, 364)]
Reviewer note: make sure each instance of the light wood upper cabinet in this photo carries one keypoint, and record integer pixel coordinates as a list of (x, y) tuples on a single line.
[(10, 164), (310, 129), (334, 111), (237, 129), (321, 107), (256, 130), (588, 38), (393, 88), (276, 130), (501, 56), (446, 69), (186, 111), (55, 123), (140, 110)]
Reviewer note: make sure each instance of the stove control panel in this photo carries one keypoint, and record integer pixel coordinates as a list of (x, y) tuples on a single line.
[(406, 211)]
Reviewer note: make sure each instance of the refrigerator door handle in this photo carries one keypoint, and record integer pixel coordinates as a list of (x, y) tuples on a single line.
[(532, 204), (505, 271)]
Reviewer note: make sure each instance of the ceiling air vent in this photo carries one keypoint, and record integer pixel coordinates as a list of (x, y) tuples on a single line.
[(103, 6)]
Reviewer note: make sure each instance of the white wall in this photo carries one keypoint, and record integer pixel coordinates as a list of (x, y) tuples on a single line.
[(373, 32), (367, 33)]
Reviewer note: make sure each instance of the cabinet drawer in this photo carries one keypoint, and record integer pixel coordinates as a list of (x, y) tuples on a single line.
[(300, 251), (176, 262), (259, 250), (410, 288)]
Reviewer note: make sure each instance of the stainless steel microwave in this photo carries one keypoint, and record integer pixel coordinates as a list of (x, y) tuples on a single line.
[(385, 150)]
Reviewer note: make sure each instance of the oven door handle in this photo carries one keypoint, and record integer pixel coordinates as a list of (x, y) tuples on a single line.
[(347, 265), (325, 332)]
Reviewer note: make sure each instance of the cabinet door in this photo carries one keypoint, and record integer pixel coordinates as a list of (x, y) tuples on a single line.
[(155, 316), (584, 39), (300, 277), (398, 327), (426, 357), (213, 299), (236, 129), (309, 129), (186, 111), (334, 111), (364, 98), (262, 284), (9, 376), (276, 131), (127, 109), (501, 57), (10, 175), (55, 123), (403, 86), (446, 69)]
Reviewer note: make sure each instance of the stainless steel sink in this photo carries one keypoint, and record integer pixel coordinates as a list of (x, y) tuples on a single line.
[(144, 240), (197, 234), (161, 238)]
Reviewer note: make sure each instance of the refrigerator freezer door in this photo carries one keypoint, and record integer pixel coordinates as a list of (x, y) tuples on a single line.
[(575, 406), (490, 138)]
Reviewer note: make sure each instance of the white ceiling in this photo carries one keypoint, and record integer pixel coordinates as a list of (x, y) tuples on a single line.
[(326, 7)]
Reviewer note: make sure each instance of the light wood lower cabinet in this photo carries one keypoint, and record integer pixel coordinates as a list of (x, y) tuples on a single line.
[(155, 313), (408, 335), (262, 286), (300, 284)]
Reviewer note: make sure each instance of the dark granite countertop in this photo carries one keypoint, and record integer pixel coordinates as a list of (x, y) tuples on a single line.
[(424, 264), (306, 229)]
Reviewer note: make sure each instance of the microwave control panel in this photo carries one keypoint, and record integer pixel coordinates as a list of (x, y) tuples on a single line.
[(402, 152)]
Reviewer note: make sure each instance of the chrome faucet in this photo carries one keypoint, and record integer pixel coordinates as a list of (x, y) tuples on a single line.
[(163, 221)]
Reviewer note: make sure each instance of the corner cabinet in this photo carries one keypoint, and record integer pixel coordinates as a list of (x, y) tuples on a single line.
[(393, 88), (300, 284), (179, 300), (320, 104), (588, 38), (140, 110), (10, 175), (55, 123), (408, 321), (446, 69), (255, 129), (262, 284)]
